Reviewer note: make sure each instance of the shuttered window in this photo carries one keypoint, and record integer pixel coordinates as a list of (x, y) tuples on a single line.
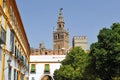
[(47, 68), (33, 68), (12, 41)]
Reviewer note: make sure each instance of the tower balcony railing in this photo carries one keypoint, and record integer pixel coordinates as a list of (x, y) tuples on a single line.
[(2, 35)]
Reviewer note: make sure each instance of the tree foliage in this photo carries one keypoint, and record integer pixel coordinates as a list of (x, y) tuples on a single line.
[(105, 54), (73, 67), (102, 63)]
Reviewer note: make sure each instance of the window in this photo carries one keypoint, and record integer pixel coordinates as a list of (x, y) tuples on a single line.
[(58, 47), (11, 14), (36, 50), (33, 68), (59, 25), (4, 3), (12, 41), (55, 37), (9, 73), (45, 53), (62, 36), (47, 68), (58, 36), (2, 21), (15, 51), (32, 78), (15, 75), (25, 61)]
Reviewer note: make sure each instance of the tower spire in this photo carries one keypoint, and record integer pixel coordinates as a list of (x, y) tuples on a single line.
[(60, 21), (61, 35), (60, 17)]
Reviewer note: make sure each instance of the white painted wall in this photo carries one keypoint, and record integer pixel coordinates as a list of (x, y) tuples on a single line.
[(41, 60), (45, 58)]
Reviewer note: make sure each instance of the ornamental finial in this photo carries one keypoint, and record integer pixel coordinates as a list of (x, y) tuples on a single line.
[(61, 9)]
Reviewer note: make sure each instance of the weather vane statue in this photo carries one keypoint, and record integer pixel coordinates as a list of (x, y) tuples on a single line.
[(61, 9)]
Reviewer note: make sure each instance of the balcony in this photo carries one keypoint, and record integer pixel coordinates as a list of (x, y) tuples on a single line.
[(46, 72), (32, 72), (2, 35)]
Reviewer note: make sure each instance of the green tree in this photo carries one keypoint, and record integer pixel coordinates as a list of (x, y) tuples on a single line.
[(105, 54), (73, 67)]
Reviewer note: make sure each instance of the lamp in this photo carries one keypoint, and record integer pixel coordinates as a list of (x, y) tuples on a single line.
[(9, 61)]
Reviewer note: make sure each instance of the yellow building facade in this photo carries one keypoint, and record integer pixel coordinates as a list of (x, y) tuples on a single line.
[(14, 45)]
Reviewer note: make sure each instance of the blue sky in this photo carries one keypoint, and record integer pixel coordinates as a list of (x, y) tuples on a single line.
[(82, 18)]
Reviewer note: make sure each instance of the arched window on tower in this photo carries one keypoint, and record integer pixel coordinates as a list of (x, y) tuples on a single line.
[(60, 26), (45, 53), (58, 36), (62, 36), (54, 37), (58, 47)]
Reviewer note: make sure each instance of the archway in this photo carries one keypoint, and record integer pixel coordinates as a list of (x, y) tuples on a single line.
[(46, 77)]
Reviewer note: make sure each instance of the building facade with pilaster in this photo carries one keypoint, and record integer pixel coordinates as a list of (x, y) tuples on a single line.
[(14, 45)]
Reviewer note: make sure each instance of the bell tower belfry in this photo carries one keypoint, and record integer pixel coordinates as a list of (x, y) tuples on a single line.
[(60, 36)]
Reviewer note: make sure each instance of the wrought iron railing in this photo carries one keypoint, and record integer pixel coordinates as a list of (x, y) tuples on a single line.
[(46, 72)]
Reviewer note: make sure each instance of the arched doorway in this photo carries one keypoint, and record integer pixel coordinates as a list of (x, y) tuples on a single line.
[(46, 77)]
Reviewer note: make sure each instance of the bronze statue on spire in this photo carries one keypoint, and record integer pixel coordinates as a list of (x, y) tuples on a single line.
[(61, 9)]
